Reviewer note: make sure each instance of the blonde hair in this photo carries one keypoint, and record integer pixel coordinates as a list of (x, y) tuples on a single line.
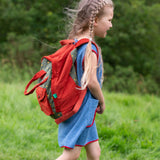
[(84, 19)]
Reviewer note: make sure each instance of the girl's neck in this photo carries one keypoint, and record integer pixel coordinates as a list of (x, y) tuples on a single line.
[(84, 35)]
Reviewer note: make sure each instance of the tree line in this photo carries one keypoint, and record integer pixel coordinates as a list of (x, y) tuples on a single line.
[(131, 51)]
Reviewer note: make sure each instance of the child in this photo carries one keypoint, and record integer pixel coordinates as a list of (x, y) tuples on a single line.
[(93, 18)]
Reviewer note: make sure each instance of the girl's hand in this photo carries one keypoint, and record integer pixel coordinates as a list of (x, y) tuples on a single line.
[(100, 109)]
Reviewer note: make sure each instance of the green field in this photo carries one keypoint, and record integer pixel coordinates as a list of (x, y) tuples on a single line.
[(128, 130)]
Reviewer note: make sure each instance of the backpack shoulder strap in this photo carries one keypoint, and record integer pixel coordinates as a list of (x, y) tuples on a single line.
[(71, 41), (79, 43), (86, 40), (82, 41)]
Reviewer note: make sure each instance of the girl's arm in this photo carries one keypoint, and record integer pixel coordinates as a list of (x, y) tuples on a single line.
[(94, 86)]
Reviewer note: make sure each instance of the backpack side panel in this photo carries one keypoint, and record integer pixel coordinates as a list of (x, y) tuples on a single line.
[(73, 72), (43, 92)]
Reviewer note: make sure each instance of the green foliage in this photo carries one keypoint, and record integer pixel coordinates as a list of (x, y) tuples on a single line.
[(125, 79), (121, 79), (128, 129), (134, 39), (31, 29)]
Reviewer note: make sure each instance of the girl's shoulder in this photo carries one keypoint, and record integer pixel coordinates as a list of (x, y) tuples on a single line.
[(82, 48)]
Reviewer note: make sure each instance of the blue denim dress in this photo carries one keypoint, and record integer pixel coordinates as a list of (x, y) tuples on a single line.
[(80, 129)]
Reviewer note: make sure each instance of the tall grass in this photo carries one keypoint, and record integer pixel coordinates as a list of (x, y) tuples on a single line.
[(128, 130)]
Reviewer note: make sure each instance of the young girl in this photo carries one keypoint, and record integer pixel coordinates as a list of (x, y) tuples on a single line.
[(93, 18)]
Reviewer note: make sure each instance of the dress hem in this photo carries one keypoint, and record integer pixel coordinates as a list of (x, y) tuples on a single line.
[(80, 145)]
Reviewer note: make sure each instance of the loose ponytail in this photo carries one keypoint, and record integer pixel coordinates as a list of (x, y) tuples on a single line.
[(87, 65)]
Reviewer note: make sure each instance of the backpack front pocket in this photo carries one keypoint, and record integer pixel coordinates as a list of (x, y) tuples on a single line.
[(43, 101)]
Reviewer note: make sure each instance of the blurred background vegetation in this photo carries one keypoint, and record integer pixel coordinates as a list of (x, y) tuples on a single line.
[(30, 29)]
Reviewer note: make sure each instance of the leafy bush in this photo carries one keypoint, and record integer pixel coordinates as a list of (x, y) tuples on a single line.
[(125, 79)]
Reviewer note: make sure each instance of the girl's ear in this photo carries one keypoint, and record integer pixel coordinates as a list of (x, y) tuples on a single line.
[(96, 20)]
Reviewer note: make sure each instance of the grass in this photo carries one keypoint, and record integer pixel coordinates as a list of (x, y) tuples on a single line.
[(128, 130)]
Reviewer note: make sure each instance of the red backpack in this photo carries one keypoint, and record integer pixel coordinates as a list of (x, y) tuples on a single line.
[(58, 93)]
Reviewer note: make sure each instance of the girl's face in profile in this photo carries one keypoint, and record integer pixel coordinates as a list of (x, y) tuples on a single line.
[(104, 23)]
